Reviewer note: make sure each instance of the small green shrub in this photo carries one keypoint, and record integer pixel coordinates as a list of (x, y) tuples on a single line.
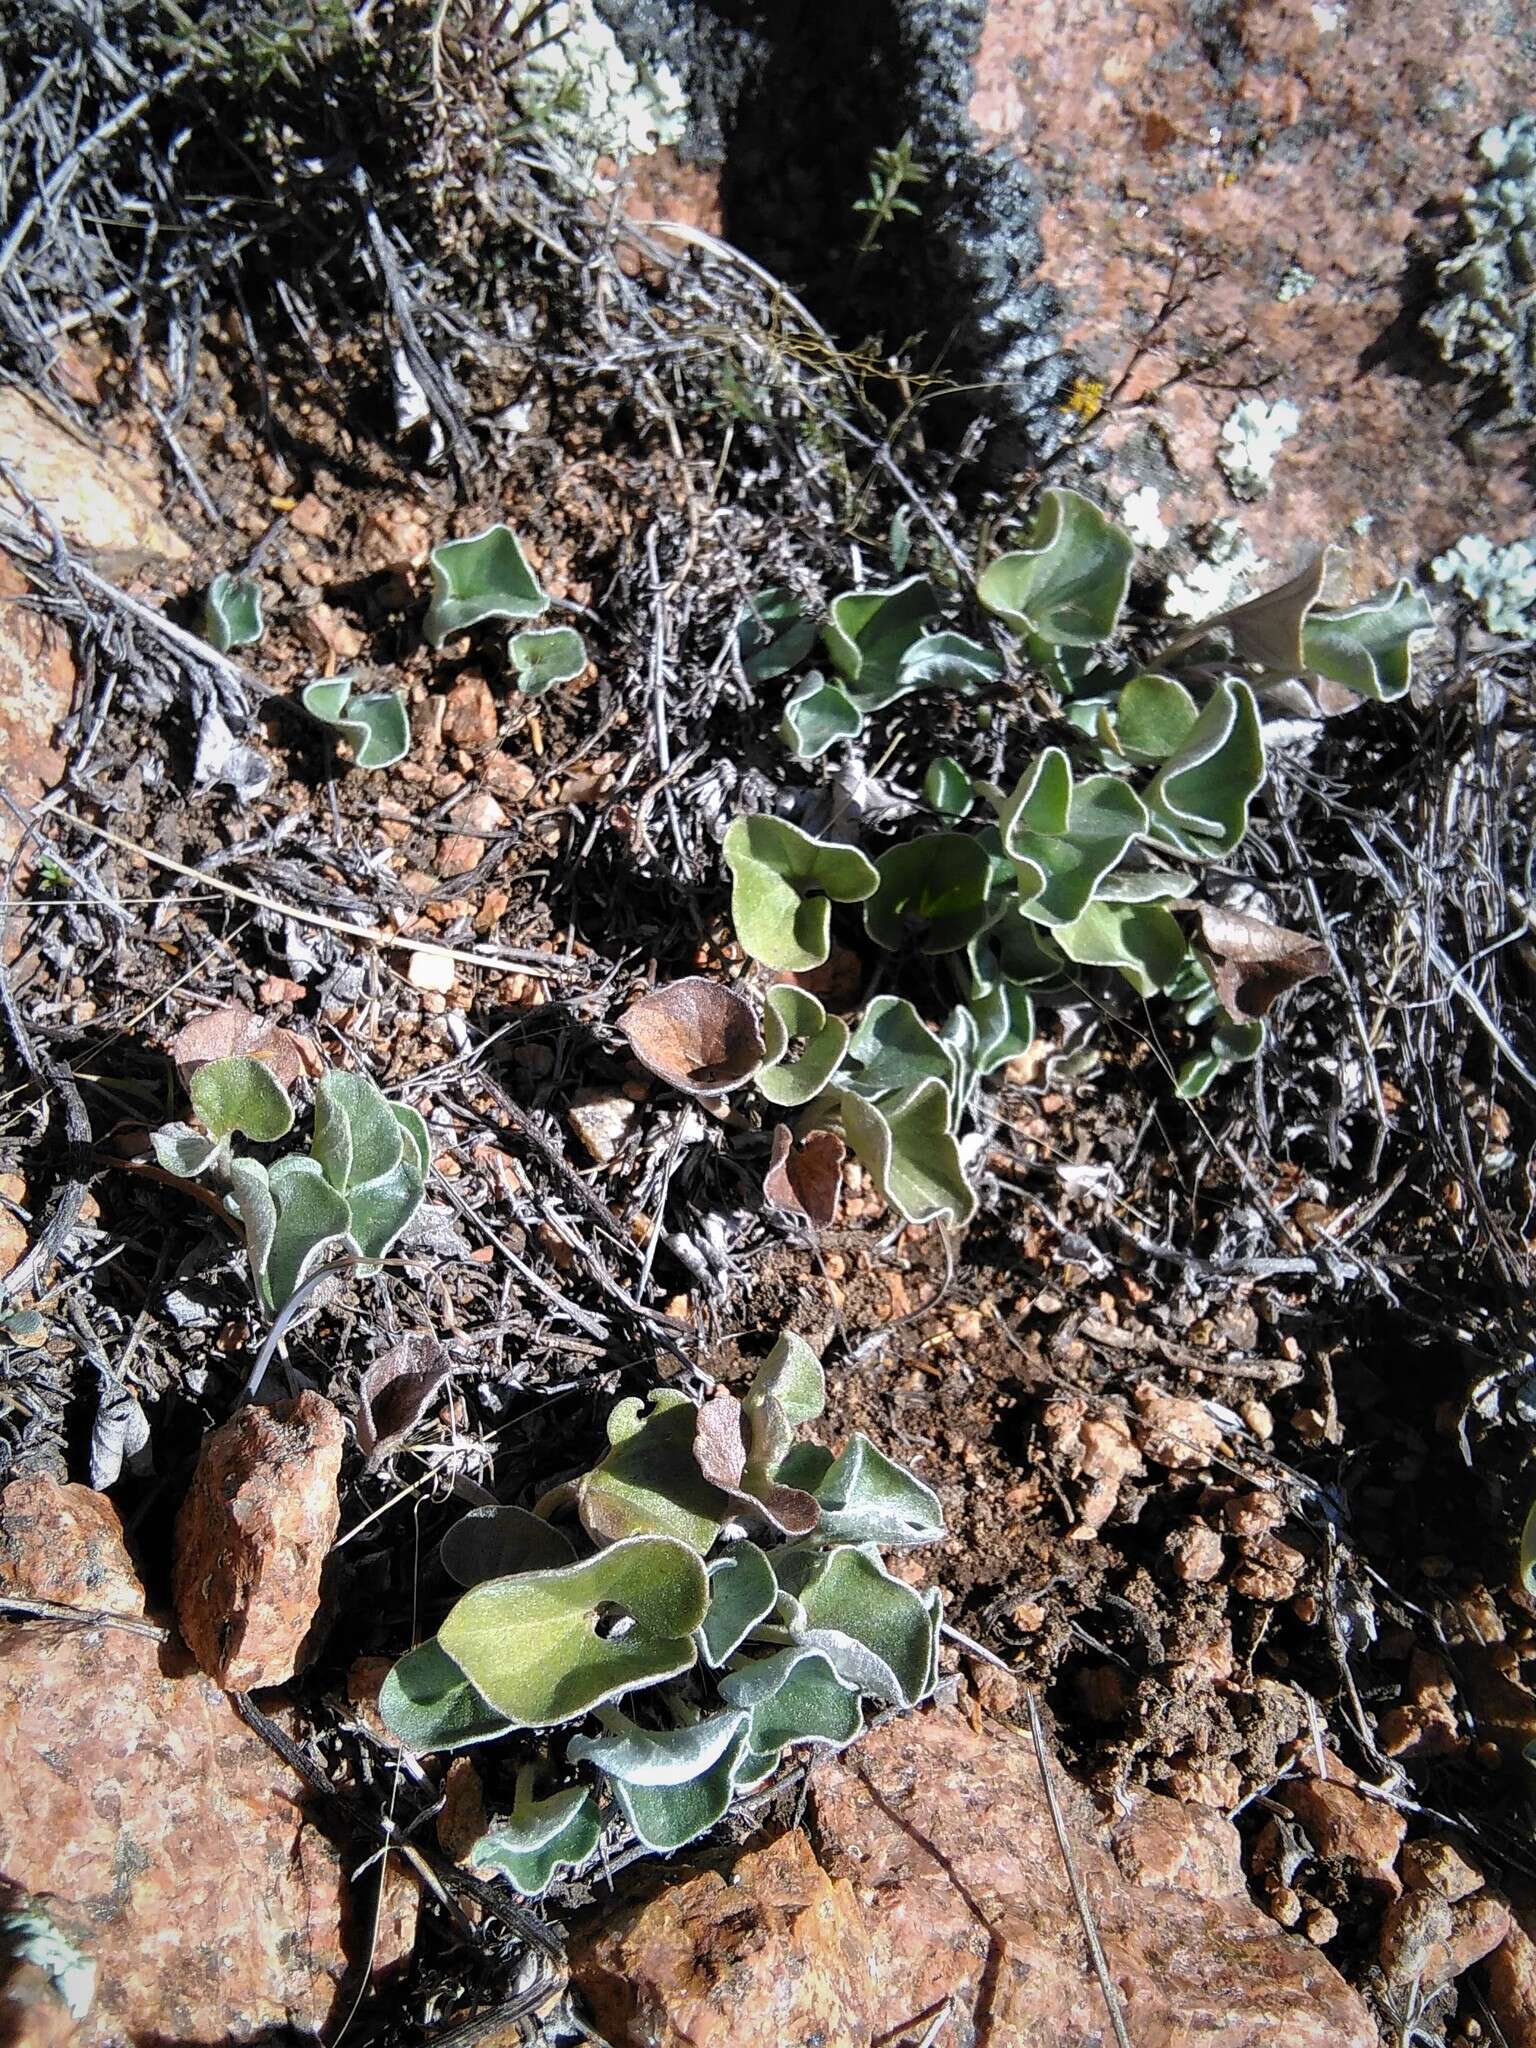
[(702, 1652)]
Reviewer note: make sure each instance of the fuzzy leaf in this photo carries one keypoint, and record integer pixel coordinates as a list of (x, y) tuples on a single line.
[(1198, 800), (648, 1480), (794, 1696), (484, 577), (673, 1783), (1063, 836), (893, 1050), (774, 634), (375, 727), (865, 1498), (805, 1175), (877, 1633), (1066, 585), (742, 1592), (816, 716), (696, 1034), (869, 631), (1141, 940), (947, 788), (781, 880), (1231, 1044), (908, 1149), (789, 1078), (418, 1140), (1367, 648), (791, 1376), (495, 1543), (939, 661), (357, 1137), (1015, 952), (737, 1449), (1005, 1026), (232, 612), (540, 1837), (379, 1210), (546, 657), (534, 1645), (932, 895), (184, 1150), (312, 1222), (241, 1094), (430, 1705), (1153, 717)]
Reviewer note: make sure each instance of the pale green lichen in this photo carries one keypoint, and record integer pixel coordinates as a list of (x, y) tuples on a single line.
[(1501, 581), (577, 86), (1252, 435), (1484, 321), (1142, 517), (1221, 571)]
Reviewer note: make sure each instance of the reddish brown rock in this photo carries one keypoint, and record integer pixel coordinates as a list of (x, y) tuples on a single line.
[(478, 817), (1174, 1432), (1432, 1864), (469, 714), (37, 686), (946, 1838), (1347, 1826), (65, 1544), (770, 1954), (102, 498), (1428, 1941), (1509, 1976), (1271, 146), (252, 1539), (1161, 1842), (1196, 1553)]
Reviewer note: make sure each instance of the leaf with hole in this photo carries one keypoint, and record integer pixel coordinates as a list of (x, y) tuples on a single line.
[(541, 1647), (484, 577), (696, 1034), (543, 658), (375, 727), (1066, 585), (783, 883)]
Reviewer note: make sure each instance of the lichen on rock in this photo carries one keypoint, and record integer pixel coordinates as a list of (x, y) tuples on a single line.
[(1484, 320)]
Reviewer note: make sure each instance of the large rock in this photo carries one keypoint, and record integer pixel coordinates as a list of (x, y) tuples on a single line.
[(252, 1539), (103, 499), (37, 687), (170, 1841), (937, 1878), (65, 1544), (1306, 160)]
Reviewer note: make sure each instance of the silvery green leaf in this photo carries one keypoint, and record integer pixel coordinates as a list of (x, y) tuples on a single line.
[(1141, 940), (1198, 800), (232, 612), (947, 788), (540, 1837), (312, 1225), (877, 1633), (543, 658), (792, 1376), (866, 1498), (484, 577), (241, 1094), (673, 1784), (793, 1696), (893, 1049), (495, 1543), (774, 634), (418, 1140), (184, 1150), (375, 726), (869, 631), (793, 1014), (783, 883), (1064, 836), (1368, 648), (907, 1145), (430, 1705), (648, 1480), (932, 896), (1066, 585), (378, 1210), (816, 716), (1005, 1025), (358, 1137), (742, 1591), (250, 1195)]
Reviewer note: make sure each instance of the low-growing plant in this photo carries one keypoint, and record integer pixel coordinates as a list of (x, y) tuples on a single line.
[(232, 612), (488, 577), (375, 726), (1083, 864), (352, 1194), (734, 1607)]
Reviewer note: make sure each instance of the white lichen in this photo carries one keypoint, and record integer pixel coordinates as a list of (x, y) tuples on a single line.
[(1501, 581), (1295, 284), (577, 86), (1225, 564), (1484, 321), (1252, 435), (1141, 518)]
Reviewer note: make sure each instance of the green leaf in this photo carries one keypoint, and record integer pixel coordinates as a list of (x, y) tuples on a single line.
[(869, 631), (184, 1150), (1231, 1044), (1199, 798), (493, 1543), (781, 880), (375, 727), (947, 788), (1015, 952), (312, 1222), (937, 661), (648, 1481), (893, 1050), (774, 634), (1153, 717), (241, 1094), (1066, 585), (817, 715), (540, 1837), (961, 1034), (932, 895), (1528, 1551), (790, 1375), (534, 1645), (1368, 648), (418, 1140), (1141, 940), (250, 1195), (232, 612), (380, 1209), (790, 1016), (357, 1137), (430, 1705), (742, 1592), (1063, 837), (484, 577), (877, 1633), (865, 1498), (1005, 1025), (672, 1783), (910, 1153), (794, 1696), (542, 659)]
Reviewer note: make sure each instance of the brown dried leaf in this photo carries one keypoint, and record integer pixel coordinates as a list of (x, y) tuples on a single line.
[(806, 1179), (234, 1031), (1254, 963), (696, 1034), (726, 1453), (1267, 630), (395, 1393)]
